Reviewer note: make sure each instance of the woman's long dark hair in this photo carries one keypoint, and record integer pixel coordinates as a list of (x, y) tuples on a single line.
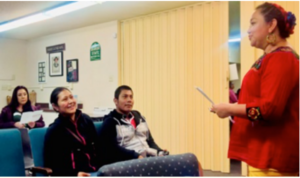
[(14, 103)]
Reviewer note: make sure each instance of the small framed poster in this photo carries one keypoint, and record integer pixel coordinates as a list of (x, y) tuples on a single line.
[(72, 70), (56, 64)]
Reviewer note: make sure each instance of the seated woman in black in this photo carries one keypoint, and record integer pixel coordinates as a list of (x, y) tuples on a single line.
[(11, 114), (71, 141)]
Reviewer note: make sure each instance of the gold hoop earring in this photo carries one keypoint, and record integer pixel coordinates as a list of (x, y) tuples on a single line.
[(271, 39)]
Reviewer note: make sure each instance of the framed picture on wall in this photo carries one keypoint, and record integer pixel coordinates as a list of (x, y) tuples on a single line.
[(42, 71), (72, 70), (56, 64)]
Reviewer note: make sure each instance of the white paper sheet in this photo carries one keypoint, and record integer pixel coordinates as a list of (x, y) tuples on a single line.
[(204, 94), (31, 116)]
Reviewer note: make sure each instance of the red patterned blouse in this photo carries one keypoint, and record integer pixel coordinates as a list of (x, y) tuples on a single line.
[(269, 138)]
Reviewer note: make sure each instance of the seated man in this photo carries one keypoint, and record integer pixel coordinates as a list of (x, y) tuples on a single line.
[(125, 134)]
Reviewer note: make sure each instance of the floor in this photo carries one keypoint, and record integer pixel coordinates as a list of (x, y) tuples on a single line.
[(235, 170)]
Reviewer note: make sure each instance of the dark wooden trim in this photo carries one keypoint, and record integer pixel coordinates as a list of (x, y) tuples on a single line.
[(42, 170), (45, 107), (42, 105)]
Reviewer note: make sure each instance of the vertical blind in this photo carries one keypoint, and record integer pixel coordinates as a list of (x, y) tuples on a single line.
[(163, 56)]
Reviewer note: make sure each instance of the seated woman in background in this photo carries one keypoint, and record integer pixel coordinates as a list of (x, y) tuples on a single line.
[(71, 144), (11, 114)]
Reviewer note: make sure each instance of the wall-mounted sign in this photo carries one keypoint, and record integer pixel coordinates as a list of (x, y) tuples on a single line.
[(95, 51), (42, 71), (56, 48)]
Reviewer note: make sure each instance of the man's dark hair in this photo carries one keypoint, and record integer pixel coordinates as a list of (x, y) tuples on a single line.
[(119, 90)]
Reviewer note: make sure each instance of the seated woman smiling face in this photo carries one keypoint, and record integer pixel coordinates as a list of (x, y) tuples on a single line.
[(71, 140)]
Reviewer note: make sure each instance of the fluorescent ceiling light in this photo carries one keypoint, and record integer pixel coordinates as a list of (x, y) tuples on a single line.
[(47, 15), (234, 40), (22, 22), (69, 8)]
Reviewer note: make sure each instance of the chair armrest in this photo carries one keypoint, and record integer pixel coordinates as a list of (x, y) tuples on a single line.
[(42, 170), (200, 169)]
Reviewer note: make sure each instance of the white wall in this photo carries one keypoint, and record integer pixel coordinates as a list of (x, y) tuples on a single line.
[(48, 117), (12, 62), (94, 87), (97, 79), (237, 83)]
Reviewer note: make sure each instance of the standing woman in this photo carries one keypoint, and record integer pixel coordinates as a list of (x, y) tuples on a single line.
[(11, 114), (71, 144), (266, 132)]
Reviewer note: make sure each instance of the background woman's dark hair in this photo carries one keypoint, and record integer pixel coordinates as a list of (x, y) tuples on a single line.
[(55, 93), (14, 103), (286, 21), (238, 93)]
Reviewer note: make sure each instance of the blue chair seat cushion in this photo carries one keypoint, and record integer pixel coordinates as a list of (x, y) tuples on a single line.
[(173, 165)]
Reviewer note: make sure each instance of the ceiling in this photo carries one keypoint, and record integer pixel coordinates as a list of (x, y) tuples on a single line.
[(105, 12)]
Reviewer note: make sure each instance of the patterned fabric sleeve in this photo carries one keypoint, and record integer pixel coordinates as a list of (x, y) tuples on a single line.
[(275, 87), (254, 113)]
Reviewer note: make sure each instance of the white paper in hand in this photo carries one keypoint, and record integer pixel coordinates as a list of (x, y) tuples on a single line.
[(204, 94), (37, 115), (31, 116)]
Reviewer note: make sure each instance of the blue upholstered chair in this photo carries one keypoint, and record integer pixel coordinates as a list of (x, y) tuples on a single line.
[(98, 126), (173, 165), (11, 153), (37, 137)]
